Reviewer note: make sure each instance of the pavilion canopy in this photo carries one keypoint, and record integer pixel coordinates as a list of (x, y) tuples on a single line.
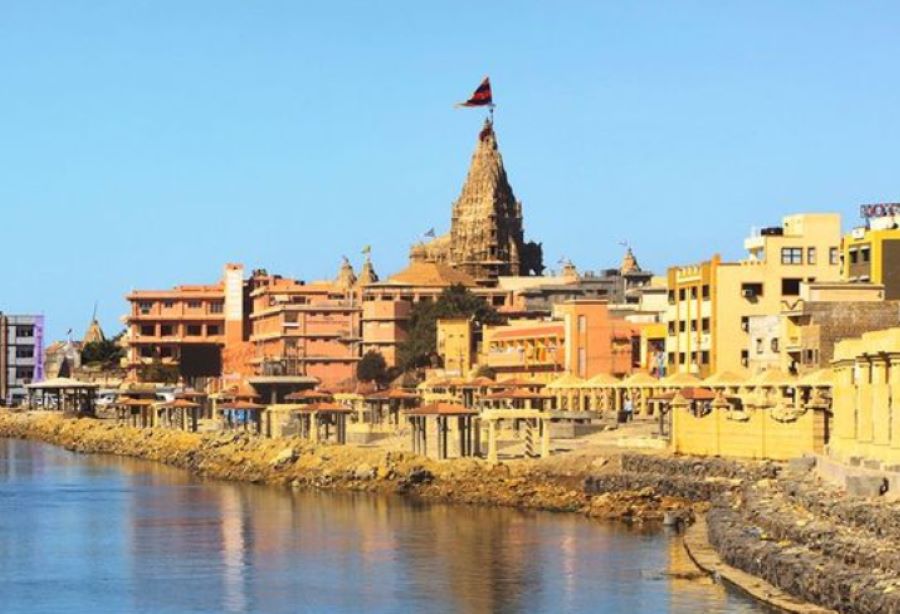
[(568, 380), (308, 395), (679, 379), (601, 380), (640, 379), (442, 409), (725, 378), (771, 377), (324, 408)]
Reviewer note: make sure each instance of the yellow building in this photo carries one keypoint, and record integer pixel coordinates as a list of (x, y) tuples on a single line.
[(867, 398), (454, 345), (872, 254), (711, 303)]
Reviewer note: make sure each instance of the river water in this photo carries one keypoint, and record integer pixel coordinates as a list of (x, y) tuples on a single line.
[(104, 534)]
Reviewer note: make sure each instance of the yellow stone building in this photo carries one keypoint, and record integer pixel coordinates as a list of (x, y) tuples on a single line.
[(711, 303), (867, 398), (454, 345), (872, 255)]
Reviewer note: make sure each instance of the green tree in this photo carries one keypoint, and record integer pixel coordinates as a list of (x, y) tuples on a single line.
[(454, 302), (372, 367), (105, 353), (159, 372)]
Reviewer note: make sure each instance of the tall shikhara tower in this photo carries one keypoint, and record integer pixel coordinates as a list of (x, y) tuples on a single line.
[(486, 237)]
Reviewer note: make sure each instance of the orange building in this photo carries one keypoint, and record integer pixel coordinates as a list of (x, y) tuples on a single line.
[(261, 329), (305, 329), (387, 305), (188, 326), (581, 338)]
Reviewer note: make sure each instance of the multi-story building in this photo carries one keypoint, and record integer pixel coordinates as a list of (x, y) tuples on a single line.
[(21, 355), (581, 338), (710, 304), (264, 326), (387, 305), (306, 329), (801, 339), (871, 253), (190, 327)]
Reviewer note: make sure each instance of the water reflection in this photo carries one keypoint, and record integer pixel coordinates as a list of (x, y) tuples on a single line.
[(111, 534)]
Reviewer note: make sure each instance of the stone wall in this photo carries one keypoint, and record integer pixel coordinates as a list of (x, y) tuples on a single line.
[(754, 433)]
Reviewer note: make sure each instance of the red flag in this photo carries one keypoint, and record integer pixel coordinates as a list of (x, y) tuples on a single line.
[(482, 96)]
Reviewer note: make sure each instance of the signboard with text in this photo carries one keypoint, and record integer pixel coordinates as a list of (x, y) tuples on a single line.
[(879, 210)]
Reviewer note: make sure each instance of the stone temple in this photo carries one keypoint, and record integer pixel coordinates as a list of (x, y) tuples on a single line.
[(486, 238)]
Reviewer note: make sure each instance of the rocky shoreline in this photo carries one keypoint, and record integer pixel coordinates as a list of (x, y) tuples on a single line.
[(783, 527)]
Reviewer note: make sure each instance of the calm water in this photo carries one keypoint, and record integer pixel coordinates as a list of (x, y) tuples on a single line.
[(84, 533)]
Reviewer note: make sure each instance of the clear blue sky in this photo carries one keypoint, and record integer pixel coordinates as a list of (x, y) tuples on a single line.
[(146, 143)]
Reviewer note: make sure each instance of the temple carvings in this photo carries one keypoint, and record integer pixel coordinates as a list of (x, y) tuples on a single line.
[(486, 238)]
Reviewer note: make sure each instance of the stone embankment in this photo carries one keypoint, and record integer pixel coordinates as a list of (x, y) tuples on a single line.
[(812, 542)]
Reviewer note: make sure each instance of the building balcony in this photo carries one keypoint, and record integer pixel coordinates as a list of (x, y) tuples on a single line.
[(176, 339)]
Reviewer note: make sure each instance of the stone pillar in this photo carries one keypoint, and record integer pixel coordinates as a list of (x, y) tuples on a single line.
[(492, 442), (314, 427), (678, 407), (864, 404), (880, 403), (843, 407), (545, 437), (894, 390)]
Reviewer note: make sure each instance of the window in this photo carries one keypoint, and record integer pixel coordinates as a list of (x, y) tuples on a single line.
[(25, 352), (705, 291), (864, 254), (144, 307), (693, 326), (582, 362), (751, 290), (671, 358), (704, 357), (166, 352), (745, 358), (146, 352), (148, 330), (25, 373), (833, 255), (193, 304), (497, 301), (704, 325), (212, 329), (682, 326), (854, 256), (790, 286), (774, 344), (810, 255), (671, 297), (168, 304), (681, 358), (759, 346), (194, 330), (693, 291), (745, 324), (24, 331), (671, 328), (791, 255), (166, 330)]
